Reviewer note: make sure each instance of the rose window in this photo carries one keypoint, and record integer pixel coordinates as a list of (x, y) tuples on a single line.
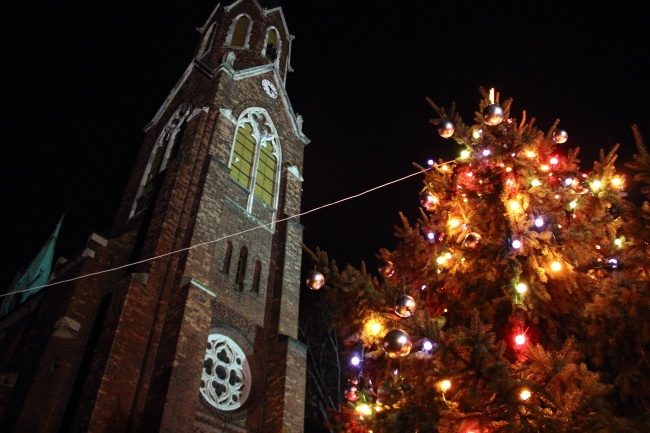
[(226, 376)]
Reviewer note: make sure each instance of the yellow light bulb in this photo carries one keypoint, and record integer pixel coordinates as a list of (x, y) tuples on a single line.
[(556, 266), (514, 205), (445, 385), (618, 242), (373, 327), (524, 394), (573, 204), (464, 154), (530, 154), (364, 409), (545, 167), (522, 288), (617, 182), (454, 222), (536, 182), (596, 184), (440, 260)]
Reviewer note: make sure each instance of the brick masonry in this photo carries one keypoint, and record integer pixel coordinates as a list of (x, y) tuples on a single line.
[(134, 363)]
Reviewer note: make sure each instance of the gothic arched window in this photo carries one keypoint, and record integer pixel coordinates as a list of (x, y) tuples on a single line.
[(163, 150), (271, 46), (206, 42), (241, 268), (256, 156), (240, 32), (227, 258), (257, 273)]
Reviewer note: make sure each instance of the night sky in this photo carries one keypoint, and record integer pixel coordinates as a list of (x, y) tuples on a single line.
[(81, 81)]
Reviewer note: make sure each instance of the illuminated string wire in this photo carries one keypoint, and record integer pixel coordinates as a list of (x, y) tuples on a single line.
[(219, 239)]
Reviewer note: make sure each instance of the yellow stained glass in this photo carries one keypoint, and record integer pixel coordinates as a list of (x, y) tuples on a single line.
[(265, 177), (241, 165), (240, 32)]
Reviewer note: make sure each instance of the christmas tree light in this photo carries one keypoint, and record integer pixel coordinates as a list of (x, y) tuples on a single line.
[(508, 306)]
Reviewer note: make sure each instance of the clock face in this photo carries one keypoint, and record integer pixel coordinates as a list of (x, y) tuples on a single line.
[(269, 88)]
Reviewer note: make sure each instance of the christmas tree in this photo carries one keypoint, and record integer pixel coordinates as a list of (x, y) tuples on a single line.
[(517, 302)]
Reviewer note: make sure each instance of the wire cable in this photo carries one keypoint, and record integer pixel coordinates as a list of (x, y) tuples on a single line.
[(92, 274)]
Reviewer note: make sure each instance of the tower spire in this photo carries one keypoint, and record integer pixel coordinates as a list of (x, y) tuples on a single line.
[(35, 275)]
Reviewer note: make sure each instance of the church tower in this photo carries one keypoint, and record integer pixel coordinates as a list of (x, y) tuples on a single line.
[(189, 322)]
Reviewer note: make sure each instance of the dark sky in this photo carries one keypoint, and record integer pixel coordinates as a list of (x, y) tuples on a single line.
[(81, 81)]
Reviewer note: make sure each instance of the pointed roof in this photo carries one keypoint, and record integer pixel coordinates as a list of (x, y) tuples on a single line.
[(37, 274)]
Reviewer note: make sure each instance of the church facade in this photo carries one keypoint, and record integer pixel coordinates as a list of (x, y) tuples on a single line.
[(186, 318)]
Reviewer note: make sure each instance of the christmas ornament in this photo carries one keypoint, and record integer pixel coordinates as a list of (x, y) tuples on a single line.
[(493, 114), (386, 269), (405, 306), (351, 393), (397, 343), (446, 128), (472, 241), (428, 200), (315, 280), (560, 136)]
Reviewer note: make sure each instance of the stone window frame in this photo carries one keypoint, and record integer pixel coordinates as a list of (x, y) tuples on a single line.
[(263, 131), (278, 45), (168, 138), (236, 22), (225, 367)]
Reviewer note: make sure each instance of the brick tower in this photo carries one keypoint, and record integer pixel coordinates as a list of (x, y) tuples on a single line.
[(196, 329)]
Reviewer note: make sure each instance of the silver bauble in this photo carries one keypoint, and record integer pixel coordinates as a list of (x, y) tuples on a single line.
[(560, 136), (446, 128), (405, 306), (386, 269), (397, 343), (428, 200), (493, 114), (472, 241), (315, 280)]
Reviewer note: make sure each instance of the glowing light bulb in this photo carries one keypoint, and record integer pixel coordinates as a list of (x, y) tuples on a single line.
[(568, 181), (486, 152), (430, 162), (530, 154), (536, 182), (545, 167), (364, 409), (514, 205), (556, 266), (454, 222), (522, 288), (355, 360), (617, 182), (464, 154), (539, 222), (508, 169), (427, 345), (444, 167), (520, 339), (424, 286), (618, 242), (431, 236), (524, 394), (373, 327), (573, 204), (445, 385), (516, 244), (554, 161), (440, 260), (596, 184)]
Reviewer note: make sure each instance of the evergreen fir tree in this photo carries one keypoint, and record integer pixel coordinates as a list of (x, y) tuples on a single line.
[(518, 301)]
